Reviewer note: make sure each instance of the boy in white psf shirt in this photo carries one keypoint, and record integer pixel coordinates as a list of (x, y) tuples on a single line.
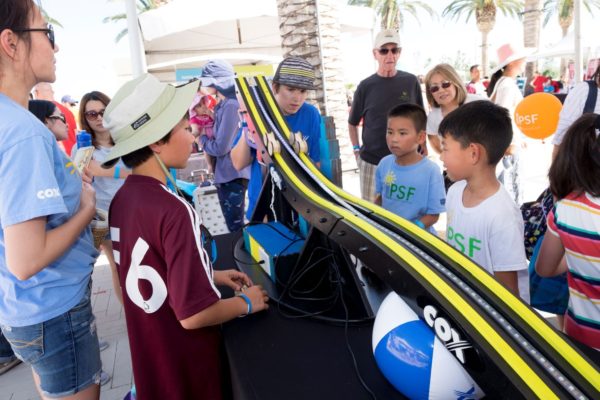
[(484, 222)]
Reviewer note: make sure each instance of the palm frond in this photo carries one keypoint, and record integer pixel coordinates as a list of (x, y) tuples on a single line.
[(50, 19), (141, 5), (121, 35), (392, 12), (115, 18), (564, 8)]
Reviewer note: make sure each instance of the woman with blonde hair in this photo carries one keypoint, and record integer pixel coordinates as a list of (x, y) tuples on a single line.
[(445, 92)]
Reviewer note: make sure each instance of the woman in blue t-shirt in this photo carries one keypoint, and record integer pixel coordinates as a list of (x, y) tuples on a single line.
[(46, 249)]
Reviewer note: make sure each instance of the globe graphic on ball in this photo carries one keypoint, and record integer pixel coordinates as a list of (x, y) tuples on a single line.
[(413, 359)]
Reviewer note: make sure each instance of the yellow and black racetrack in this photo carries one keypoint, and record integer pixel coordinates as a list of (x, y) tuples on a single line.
[(512, 352)]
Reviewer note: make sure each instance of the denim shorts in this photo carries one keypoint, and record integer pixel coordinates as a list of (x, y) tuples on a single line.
[(63, 351)]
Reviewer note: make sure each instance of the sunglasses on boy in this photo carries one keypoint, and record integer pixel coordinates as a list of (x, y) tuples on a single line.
[(93, 115), (444, 85), (383, 51), (49, 31), (60, 117)]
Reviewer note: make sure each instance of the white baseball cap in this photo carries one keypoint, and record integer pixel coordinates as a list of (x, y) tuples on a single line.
[(386, 36)]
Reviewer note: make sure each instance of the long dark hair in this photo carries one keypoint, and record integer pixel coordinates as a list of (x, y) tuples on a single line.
[(497, 75), (576, 167), (16, 14), (596, 76), (42, 109), (97, 96)]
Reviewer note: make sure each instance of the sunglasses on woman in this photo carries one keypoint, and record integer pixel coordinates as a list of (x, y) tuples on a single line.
[(93, 115), (60, 117), (383, 51), (49, 31), (444, 85)]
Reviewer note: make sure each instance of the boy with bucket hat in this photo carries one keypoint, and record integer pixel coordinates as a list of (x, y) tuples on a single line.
[(172, 305), (291, 82)]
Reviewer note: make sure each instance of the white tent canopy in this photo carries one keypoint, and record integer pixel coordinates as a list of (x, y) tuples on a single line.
[(566, 47), (186, 33)]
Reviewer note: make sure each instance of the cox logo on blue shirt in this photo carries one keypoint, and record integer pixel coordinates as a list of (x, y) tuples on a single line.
[(413, 359), (48, 193)]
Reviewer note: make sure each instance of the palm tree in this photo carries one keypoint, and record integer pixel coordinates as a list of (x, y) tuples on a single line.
[(392, 11), (531, 32), (316, 39), (564, 10), (142, 6), (485, 17)]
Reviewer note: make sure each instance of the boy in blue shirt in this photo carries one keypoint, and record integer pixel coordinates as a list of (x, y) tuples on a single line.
[(406, 183), (292, 80)]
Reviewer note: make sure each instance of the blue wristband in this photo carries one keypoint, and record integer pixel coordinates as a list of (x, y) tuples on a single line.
[(356, 147), (419, 223), (248, 302), (117, 174)]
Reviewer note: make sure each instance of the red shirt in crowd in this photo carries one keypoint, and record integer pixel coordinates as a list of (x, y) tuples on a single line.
[(70, 141), (538, 83)]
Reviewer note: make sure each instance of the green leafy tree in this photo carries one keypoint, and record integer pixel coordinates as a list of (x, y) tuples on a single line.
[(142, 7), (392, 12), (485, 17), (564, 10)]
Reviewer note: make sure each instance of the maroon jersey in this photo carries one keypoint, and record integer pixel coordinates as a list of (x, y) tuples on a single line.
[(166, 276)]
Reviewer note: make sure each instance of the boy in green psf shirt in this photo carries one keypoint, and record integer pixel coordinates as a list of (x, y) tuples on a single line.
[(483, 220)]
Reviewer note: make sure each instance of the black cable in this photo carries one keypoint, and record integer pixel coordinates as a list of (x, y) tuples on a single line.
[(348, 346), (289, 287), (296, 276), (296, 294), (305, 271), (333, 281), (293, 279)]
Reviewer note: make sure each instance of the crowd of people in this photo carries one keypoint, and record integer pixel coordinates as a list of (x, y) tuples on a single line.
[(161, 270), (471, 126)]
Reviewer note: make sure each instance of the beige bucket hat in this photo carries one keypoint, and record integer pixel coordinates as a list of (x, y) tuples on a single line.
[(143, 111)]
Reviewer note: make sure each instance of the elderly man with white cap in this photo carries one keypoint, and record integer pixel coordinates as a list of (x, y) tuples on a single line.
[(373, 98)]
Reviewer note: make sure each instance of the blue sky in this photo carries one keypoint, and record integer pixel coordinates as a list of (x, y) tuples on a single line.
[(87, 49)]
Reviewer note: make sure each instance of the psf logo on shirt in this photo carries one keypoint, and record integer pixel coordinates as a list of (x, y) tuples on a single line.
[(397, 191), (48, 193)]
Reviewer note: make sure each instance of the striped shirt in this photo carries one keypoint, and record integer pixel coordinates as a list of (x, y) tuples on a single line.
[(576, 221)]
